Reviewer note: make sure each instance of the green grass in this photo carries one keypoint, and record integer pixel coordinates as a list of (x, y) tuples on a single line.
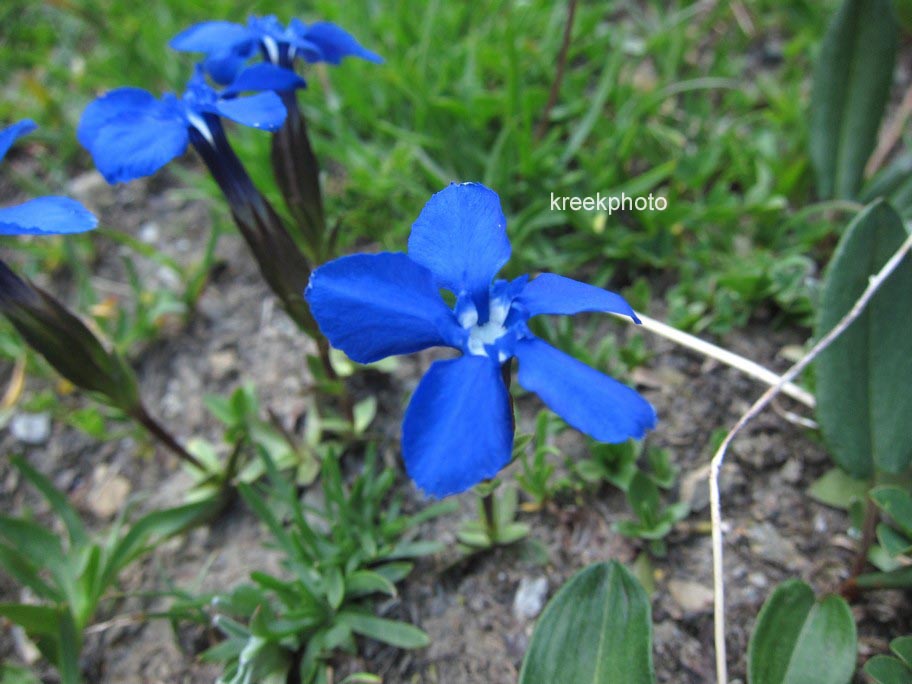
[(669, 98)]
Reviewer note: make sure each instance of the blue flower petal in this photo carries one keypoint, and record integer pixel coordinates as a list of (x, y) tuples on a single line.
[(130, 134), (555, 294), (224, 66), (212, 37), (122, 101), (46, 215), (376, 305), (263, 110), (593, 403), (458, 429), (333, 43), (461, 237), (264, 76), (12, 133)]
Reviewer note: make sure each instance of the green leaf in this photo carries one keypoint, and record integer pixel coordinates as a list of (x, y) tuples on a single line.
[(151, 528), (852, 81), (596, 629), (896, 503), (896, 579), (37, 544), (34, 619), (886, 670), (837, 489), (364, 413), (335, 587), (364, 582), (863, 402), (799, 640), (75, 529), (902, 647), (892, 541), (27, 574), (893, 183), (392, 632), (643, 495), (16, 674)]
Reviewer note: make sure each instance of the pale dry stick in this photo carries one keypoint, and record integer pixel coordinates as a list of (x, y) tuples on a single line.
[(746, 366), (891, 135), (715, 503)]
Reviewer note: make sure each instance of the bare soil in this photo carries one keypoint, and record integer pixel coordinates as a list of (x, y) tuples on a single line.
[(238, 333)]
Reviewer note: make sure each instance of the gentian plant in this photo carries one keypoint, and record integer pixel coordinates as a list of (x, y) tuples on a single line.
[(43, 215), (50, 328), (131, 134), (458, 428), (228, 47)]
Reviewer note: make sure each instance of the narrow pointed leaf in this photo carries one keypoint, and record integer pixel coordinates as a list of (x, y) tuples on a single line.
[(62, 507), (596, 630), (152, 527), (863, 402), (851, 86), (392, 632), (800, 640)]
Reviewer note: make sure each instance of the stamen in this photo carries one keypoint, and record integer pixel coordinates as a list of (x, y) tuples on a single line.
[(272, 49), (200, 125)]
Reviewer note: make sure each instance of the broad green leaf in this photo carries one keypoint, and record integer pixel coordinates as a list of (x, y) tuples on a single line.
[(886, 670), (799, 640), (892, 541), (837, 489), (596, 630), (902, 647), (392, 632), (852, 81), (863, 402), (896, 503)]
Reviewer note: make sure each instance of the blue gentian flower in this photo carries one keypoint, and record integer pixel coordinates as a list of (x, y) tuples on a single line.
[(228, 46), (131, 134), (458, 428), (44, 215)]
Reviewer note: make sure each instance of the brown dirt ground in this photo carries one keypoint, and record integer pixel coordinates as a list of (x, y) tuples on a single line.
[(238, 333)]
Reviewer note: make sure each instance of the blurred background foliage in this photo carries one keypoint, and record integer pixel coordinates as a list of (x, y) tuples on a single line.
[(702, 103)]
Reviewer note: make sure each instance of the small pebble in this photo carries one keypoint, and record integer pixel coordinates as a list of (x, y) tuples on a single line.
[(31, 428), (530, 597)]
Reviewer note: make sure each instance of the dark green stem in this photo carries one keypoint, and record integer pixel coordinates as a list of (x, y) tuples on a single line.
[(161, 434), (490, 518)]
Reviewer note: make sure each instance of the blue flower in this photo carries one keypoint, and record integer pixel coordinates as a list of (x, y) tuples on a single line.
[(458, 428), (131, 134), (44, 215), (228, 45)]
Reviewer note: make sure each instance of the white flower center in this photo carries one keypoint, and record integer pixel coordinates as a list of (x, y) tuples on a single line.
[(487, 334), (272, 48), (199, 124)]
